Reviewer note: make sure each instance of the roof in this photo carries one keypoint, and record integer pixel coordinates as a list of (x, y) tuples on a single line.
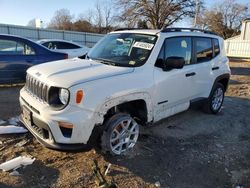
[(49, 40), (173, 31), (16, 37), (58, 40), (9, 35), (246, 19), (142, 31)]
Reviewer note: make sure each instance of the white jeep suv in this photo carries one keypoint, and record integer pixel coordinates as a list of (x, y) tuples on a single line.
[(129, 78)]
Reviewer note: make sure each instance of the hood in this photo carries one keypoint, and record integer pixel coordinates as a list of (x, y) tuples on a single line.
[(66, 73)]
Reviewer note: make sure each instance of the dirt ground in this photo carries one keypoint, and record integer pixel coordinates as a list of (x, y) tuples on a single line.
[(191, 149)]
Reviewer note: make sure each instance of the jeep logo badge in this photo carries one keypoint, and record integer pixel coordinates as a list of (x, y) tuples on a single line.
[(38, 74)]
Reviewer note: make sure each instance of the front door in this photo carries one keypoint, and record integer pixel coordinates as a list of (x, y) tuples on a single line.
[(174, 88), (15, 58)]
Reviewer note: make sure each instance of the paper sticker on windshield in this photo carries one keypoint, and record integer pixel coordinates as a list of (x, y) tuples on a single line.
[(143, 45)]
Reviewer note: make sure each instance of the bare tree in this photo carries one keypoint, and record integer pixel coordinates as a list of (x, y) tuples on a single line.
[(82, 25), (158, 13), (225, 18), (233, 13), (108, 16), (88, 16), (197, 12), (62, 20), (142, 24), (98, 19), (32, 23), (103, 16)]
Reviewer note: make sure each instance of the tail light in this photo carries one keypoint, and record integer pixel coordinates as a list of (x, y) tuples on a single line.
[(66, 56)]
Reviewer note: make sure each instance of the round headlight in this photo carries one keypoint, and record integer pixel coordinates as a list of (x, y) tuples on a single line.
[(64, 95)]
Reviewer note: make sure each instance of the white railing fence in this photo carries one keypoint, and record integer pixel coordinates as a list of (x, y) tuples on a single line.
[(88, 39), (238, 48)]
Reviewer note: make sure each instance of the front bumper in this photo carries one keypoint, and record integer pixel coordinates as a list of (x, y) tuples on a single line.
[(52, 144), (43, 123)]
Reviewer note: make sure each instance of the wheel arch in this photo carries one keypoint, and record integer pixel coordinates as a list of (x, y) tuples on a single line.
[(223, 79), (137, 104)]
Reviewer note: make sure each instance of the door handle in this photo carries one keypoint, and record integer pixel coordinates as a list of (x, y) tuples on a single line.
[(215, 68), (29, 61), (190, 74)]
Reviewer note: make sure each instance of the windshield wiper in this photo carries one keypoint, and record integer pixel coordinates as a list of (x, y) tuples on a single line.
[(106, 61)]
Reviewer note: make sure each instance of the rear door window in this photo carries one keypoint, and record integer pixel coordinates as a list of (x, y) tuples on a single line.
[(50, 45), (203, 49), (11, 47), (8, 47), (66, 45), (216, 47)]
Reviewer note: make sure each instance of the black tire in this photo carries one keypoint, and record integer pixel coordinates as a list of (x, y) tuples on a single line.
[(109, 125), (208, 107)]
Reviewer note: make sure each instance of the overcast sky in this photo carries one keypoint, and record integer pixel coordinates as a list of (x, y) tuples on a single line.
[(20, 12)]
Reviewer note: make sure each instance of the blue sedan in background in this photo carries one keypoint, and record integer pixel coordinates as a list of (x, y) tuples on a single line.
[(17, 54)]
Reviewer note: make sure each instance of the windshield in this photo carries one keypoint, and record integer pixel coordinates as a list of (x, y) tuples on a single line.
[(123, 49)]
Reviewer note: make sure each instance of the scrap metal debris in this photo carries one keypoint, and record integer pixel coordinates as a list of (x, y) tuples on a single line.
[(14, 120), (100, 180), (11, 126), (22, 143), (2, 122), (219, 146), (107, 170), (11, 129), (15, 173), (157, 184), (16, 163)]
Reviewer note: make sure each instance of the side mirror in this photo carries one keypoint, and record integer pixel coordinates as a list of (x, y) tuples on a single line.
[(159, 63), (174, 62), (83, 56)]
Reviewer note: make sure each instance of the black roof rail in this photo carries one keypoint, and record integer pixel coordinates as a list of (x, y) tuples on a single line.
[(180, 29), (122, 29)]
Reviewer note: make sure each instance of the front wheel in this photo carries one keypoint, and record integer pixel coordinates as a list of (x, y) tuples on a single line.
[(120, 134), (215, 100)]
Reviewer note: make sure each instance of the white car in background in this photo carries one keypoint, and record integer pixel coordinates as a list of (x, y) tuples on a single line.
[(71, 48)]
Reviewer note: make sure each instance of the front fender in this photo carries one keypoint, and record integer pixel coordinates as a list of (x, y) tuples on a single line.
[(115, 100)]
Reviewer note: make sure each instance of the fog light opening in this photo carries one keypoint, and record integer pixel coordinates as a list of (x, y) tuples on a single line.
[(65, 125), (66, 128)]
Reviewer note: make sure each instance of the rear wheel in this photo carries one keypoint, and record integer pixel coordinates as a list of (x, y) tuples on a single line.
[(215, 100), (120, 134)]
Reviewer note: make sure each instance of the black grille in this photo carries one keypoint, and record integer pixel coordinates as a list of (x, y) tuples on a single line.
[(37, 88), (37, 129)]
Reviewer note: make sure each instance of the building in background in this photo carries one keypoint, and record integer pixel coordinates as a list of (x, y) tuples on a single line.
[(239, 46), (38, 23)]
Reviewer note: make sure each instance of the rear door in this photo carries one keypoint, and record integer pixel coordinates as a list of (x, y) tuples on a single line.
[(203, 58), (15, 58)]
